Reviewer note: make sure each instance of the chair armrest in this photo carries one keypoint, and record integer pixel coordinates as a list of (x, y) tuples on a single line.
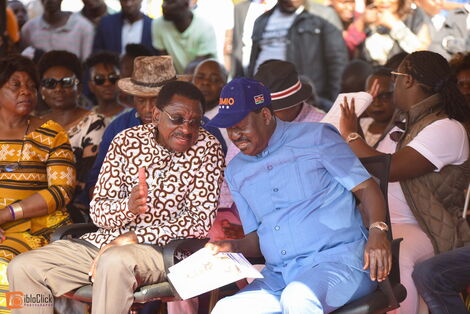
[(169, 250), (74, 230), (387, 285), (395, 273), (387, 289)]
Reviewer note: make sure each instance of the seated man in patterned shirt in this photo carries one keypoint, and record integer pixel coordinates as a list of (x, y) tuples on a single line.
[(295, 184), (159, 181)]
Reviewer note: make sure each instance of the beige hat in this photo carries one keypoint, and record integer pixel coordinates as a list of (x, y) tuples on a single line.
[(149, 76)]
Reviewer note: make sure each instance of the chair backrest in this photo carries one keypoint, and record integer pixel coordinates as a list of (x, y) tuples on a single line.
[(379, 168)]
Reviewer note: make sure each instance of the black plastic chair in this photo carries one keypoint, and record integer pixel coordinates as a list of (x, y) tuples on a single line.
[(390, 292), (162, 291)]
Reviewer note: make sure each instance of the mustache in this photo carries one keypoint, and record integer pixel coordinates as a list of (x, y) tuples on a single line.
[(186, 136), (241, 139)]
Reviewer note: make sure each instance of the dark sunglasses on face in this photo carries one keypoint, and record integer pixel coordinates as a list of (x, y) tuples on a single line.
[(65, 82), (179, 120), (100, 79)]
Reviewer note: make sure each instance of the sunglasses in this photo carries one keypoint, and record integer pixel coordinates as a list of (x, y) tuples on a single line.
[(100, 79), (179, 120), (65, 82)]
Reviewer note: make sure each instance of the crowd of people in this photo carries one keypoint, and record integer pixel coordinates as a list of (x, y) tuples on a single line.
[(174, 127)]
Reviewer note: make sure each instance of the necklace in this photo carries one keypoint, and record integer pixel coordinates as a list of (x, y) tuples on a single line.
[(11, 167)]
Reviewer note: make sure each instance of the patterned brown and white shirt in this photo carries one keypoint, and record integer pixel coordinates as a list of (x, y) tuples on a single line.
[(183, 188)]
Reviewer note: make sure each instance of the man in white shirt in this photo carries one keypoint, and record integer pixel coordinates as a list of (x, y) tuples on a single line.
[(129, 26)]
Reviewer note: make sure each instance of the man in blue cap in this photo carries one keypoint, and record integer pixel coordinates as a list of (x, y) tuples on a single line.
[(294, 186)]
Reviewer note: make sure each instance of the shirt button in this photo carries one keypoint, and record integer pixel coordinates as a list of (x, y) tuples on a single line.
[(283, 252), (270, 167), (275, 189), (277, 228)]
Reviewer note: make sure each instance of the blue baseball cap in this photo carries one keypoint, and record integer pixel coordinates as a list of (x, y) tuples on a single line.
[(237, 99)]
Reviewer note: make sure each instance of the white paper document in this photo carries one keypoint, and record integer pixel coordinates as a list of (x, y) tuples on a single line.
[(203, 271), (362, 101)]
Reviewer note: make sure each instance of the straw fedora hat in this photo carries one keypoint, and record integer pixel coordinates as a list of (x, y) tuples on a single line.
[(149, 76)]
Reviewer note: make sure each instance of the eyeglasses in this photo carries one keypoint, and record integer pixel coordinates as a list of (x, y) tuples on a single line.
[(65, 82), (100, 79), (179, 120), (395, 74)]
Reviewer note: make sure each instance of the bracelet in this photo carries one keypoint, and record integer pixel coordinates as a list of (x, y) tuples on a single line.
[(18, 210), (12, 212), (352, 137)]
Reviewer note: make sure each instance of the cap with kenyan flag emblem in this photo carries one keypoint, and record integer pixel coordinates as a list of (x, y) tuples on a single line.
[(237, 99)]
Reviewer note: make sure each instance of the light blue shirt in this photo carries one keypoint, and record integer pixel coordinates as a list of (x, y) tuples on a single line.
[(297, 195)]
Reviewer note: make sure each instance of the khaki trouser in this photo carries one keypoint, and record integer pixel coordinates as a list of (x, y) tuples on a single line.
[(63, 266)]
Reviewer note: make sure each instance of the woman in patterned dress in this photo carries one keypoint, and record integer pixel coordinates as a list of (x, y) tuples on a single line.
[(37, 173), (60, 74)]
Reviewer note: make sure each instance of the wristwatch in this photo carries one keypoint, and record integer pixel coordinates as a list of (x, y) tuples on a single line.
[(352, 137), (382, 226)]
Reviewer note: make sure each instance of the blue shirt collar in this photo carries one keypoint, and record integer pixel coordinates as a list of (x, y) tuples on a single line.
[(276, 139)]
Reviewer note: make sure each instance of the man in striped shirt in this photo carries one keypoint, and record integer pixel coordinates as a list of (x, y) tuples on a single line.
[(59, 30)]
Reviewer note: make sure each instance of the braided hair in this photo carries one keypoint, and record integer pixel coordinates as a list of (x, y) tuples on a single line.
[(433, 73)]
